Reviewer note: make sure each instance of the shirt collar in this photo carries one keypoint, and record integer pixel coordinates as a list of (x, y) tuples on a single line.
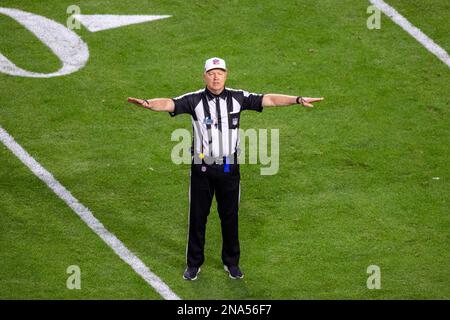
[(212, 96)]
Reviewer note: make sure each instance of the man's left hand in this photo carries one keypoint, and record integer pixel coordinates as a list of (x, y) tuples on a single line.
[(307, 102)]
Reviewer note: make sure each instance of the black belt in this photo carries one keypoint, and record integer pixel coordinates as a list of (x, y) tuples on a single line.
[(215, 160)]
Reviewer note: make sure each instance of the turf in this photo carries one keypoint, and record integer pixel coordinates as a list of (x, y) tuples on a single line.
[(355, 185)]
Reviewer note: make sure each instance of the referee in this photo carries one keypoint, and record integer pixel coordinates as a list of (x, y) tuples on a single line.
[(215, 112)]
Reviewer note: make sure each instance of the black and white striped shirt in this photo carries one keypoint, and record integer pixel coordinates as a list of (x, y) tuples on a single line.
[(215, 118)]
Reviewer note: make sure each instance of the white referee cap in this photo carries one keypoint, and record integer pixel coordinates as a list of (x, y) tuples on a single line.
[(215, 63)]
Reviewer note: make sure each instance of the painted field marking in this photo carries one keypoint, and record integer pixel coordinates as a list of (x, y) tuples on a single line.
[(70, 49), (68, 46), (100, 22), (86, 215), (415, 32)]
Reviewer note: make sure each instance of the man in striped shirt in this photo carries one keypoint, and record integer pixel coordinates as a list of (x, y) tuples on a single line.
[(215, 113)]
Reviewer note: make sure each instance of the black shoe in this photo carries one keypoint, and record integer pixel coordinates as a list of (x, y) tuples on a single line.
[(191, 273), (234, 272)]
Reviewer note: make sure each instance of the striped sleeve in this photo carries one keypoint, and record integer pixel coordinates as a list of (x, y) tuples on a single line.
[(182, 105), (252, 101), (185, 103)]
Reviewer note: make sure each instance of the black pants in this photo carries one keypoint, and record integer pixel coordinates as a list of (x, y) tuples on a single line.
[(207, 180)]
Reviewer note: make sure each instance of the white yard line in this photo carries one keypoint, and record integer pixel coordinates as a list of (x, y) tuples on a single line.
[(415, 32), (86, 215)]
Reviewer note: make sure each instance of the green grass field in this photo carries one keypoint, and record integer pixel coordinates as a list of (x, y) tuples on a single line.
[(355, 184)]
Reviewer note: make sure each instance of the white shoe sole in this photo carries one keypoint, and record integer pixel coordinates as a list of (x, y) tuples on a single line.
[(229, 274), (195, 278)]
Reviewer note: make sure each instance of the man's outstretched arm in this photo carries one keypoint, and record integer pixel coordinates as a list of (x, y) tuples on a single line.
[(273, 100), (158, 104)]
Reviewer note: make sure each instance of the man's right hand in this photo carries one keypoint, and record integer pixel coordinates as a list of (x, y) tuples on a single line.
[(139, 102), (156, 104)]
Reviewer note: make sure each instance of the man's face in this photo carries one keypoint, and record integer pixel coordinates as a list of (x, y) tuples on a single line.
[(215, 79)]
